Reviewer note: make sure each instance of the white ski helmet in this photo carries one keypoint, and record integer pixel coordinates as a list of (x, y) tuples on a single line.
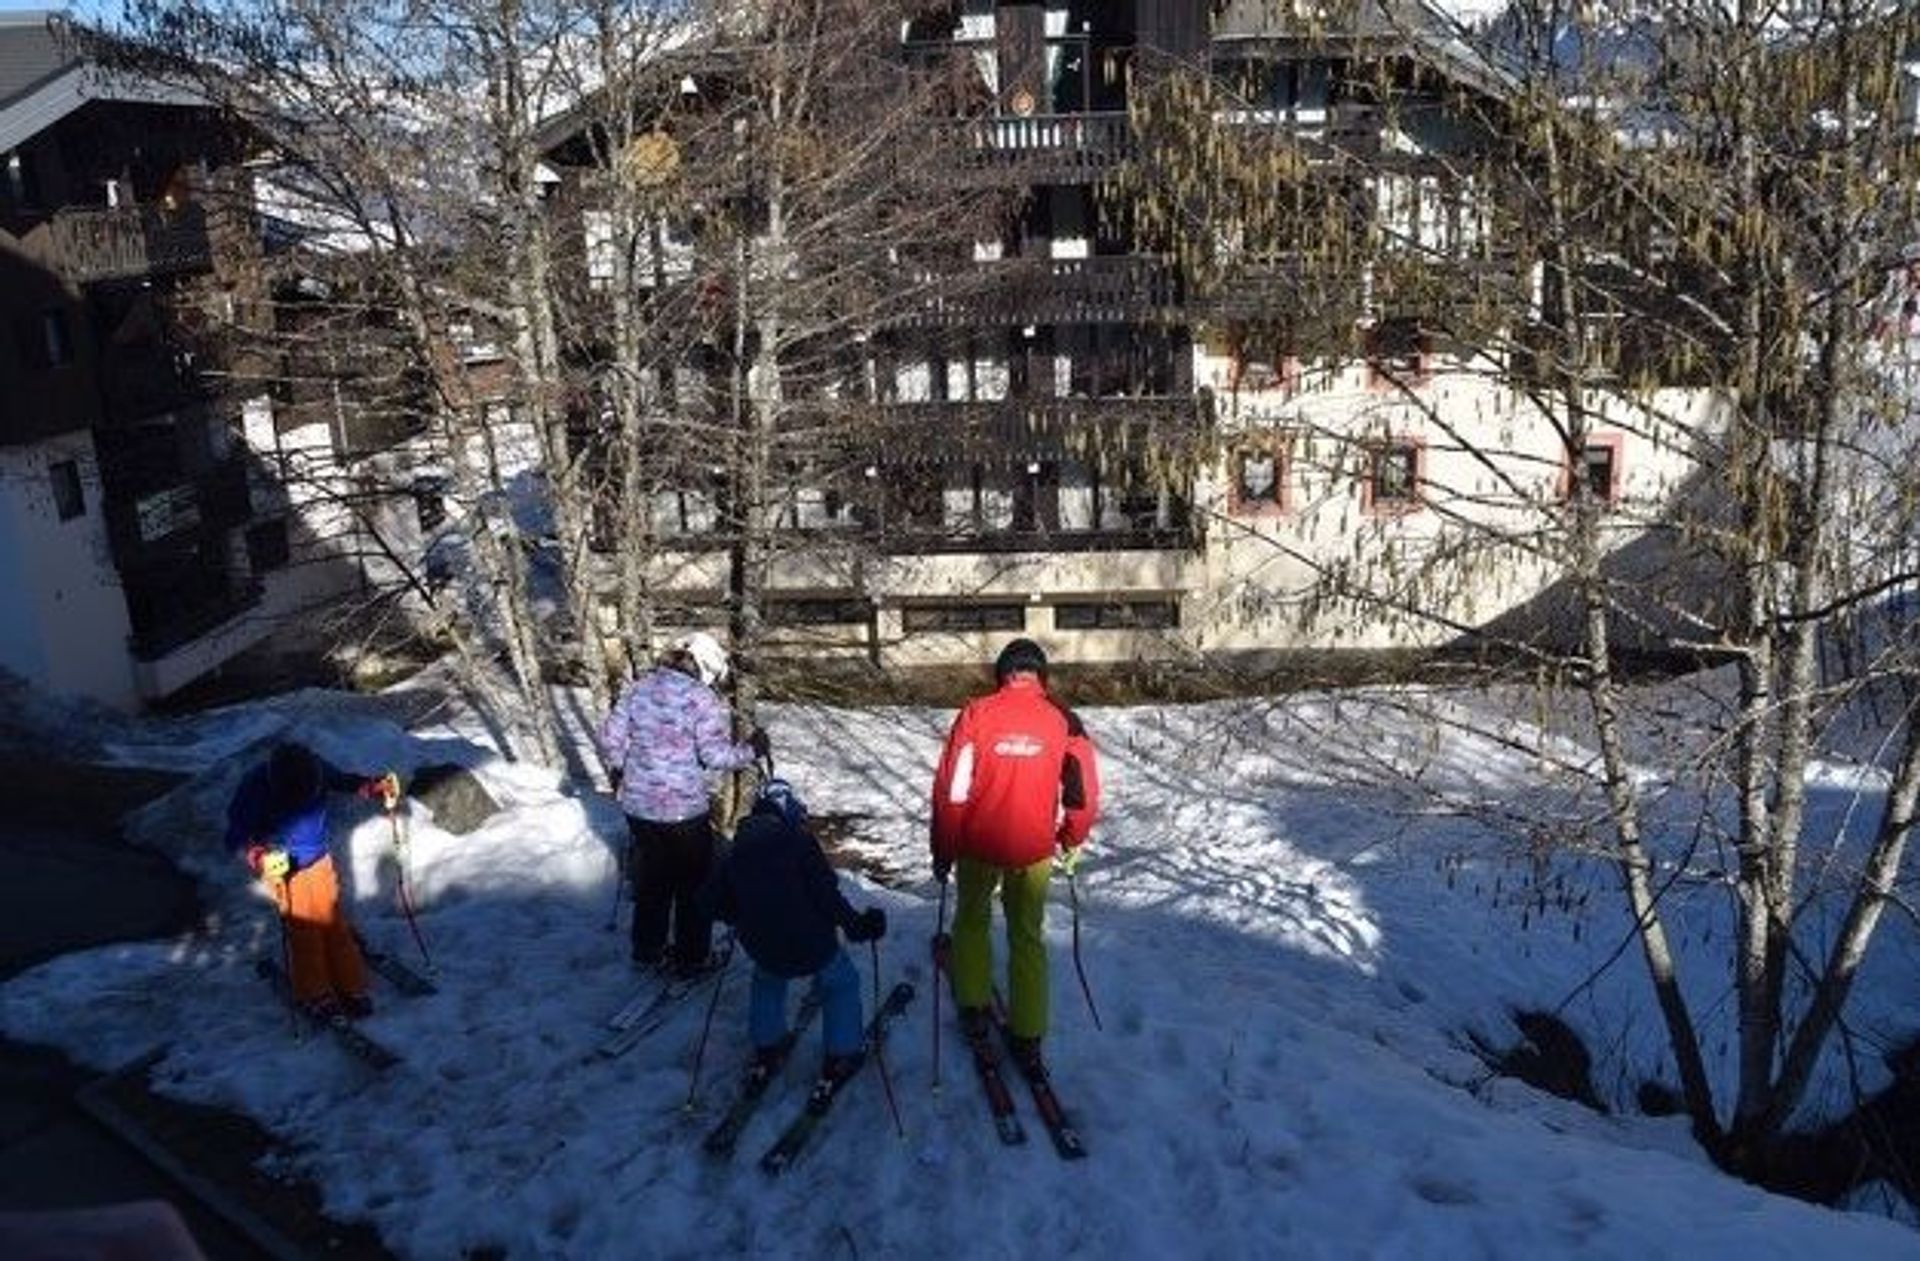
[(708, 657)]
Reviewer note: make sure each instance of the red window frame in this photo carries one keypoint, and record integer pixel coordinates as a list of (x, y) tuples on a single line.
[(1369, 501), (1278, 445), (1573, 464)]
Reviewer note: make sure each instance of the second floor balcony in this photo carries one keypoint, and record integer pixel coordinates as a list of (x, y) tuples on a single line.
[(1109, 430), (130, 242), (1013, 292), (1031, 149)]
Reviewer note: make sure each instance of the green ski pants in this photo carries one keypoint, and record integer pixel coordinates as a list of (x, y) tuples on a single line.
[(1023, 894)]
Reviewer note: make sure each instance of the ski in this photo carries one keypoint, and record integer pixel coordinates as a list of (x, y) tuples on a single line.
[(1066, 1138), (754, 1084), (397, 974), (788, 1146), (650, 1014), (986, 1062), (642, 1004), (355, 1043)]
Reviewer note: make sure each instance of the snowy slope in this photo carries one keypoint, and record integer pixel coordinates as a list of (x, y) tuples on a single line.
[(1284, 962)]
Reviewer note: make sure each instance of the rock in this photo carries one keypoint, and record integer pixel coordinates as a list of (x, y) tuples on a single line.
[(458, 802)]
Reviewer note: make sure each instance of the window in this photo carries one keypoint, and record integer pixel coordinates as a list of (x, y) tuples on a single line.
[(1598, 468), (597, 227), (69, 500), (429, 503), (1259, 470), (53, 331), (918, 618), (1118, 615), (1393, 476), (817, 611), (23, 190), (1396, 353)]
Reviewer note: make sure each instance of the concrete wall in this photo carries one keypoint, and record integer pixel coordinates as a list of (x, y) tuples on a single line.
[(63, 620)]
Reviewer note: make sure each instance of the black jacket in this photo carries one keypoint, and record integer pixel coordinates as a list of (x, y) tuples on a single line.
[(776, 889)]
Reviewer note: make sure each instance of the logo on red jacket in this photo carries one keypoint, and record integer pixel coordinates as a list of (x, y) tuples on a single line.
[(1018, 746)]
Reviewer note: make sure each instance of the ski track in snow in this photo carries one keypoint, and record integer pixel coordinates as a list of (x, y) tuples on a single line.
[(1283, 971)]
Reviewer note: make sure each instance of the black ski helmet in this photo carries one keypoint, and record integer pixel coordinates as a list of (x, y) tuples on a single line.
[(293, 776), (1022, 656)]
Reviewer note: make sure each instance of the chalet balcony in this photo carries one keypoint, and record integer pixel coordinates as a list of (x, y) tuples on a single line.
[(1155, 429), (1180, 533), (1014, 292), (131, 242), (1035, 149)]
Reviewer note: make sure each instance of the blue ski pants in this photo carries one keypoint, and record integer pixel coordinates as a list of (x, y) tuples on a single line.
[(839, 987)]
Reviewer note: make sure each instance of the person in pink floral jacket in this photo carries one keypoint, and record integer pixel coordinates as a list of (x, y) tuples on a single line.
[(667, 735)]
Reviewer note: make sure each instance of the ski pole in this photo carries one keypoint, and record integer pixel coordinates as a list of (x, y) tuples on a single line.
[(1073, 893), (283, 904), (706, 1028), (390, 794), (622, 861), (940, 944), (880, 1060)]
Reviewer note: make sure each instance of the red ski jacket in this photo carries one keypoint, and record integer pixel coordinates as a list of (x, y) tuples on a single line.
[(1016, 779)]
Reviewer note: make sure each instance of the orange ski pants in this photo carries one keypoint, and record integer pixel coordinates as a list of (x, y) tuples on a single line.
[(325, 957)]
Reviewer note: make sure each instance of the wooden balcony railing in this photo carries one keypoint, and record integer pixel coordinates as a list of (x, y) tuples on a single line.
[(1036, 149), (129, 242), (1121, 289), (1095, 430)]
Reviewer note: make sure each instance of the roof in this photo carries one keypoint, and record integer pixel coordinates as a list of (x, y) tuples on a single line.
[(1436, 31), (30, 54), (46, 75)]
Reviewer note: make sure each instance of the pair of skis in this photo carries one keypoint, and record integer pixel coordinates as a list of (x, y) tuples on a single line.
[(721, 1141), (1067, 1143), (375, 1055), (649, 1008), (343, 1031)]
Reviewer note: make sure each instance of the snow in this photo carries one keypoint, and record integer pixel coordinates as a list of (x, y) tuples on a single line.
[(1288, 960)]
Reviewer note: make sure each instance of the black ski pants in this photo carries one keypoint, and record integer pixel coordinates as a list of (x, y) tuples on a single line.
[(668, 862)]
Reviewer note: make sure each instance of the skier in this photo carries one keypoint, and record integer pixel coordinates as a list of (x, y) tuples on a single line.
[(666, 733), (1016, 781), (776, 888), (277, 820)]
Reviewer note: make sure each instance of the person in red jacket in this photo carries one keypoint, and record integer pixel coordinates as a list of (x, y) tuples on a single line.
[(1016, 783)]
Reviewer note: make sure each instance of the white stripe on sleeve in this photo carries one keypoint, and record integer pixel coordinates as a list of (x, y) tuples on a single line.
[(962, 783)]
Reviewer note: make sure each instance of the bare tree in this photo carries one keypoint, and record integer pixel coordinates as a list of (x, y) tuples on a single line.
[(1682, 225)]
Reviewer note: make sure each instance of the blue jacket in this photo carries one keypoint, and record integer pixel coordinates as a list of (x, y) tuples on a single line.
[(776, 889), (252, 816)]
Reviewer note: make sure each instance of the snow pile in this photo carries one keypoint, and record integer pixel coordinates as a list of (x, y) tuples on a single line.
[(1284, 959)]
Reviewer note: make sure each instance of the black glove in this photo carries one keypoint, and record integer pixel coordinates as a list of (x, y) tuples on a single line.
[(762, 743), (868, 925), (942, 868)]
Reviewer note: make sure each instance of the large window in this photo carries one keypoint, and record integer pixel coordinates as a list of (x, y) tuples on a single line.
[(921, 618), (1159, 614)]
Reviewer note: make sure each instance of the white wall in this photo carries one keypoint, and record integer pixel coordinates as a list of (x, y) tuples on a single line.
[(63, 619)]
